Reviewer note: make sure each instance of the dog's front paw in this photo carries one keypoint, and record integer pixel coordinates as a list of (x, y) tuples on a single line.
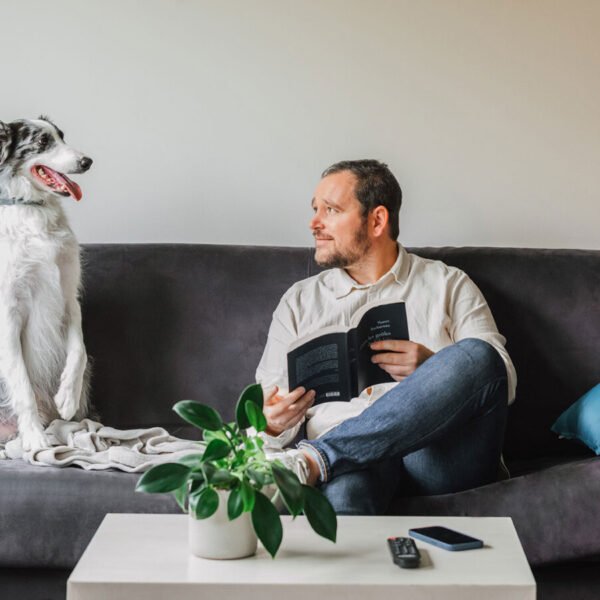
[(66, 403), (34, 439)]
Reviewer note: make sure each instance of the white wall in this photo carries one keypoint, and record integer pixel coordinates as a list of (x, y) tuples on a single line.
[(210, 120)]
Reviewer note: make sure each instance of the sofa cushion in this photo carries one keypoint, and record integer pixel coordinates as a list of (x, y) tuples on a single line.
[(555, 510), (170, 322), (581, 421), (49, 515)]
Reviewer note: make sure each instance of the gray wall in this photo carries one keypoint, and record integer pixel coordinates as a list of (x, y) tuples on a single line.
[(210, 120)]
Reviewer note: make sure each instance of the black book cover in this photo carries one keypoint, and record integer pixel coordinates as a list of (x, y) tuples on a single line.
[(336, 362)]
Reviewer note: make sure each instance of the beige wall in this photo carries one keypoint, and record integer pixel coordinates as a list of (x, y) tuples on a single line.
[(210, 121)]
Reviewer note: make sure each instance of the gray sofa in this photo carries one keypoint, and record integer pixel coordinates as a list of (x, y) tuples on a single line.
[(170, 322)]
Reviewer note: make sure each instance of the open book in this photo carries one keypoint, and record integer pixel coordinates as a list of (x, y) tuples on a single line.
[(336, 361)]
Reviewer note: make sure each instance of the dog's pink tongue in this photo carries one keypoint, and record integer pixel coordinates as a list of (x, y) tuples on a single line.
[(71, 186)]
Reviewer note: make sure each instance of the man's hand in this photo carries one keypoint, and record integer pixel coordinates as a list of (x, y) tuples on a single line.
[(283, 412), (399, 358)]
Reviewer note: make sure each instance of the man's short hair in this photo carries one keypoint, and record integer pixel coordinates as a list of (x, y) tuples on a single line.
[(375, 186)]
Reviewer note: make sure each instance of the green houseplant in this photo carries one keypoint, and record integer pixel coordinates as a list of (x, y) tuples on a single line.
[(233, 468)]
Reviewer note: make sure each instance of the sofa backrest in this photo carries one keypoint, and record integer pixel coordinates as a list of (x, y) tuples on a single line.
[(166, 322)]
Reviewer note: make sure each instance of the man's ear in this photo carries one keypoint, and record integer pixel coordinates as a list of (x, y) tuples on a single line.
[(380, 218), (5, 141)]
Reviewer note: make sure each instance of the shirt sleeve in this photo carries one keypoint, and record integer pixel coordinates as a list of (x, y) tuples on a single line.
[(272, 369), (471, 317)]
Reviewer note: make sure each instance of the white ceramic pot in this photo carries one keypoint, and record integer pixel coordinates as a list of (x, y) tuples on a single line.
[(218, 537)]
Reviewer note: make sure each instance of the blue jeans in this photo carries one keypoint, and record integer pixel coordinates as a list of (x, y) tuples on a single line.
[(438, 431)]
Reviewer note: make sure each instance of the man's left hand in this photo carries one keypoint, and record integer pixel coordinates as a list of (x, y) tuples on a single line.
[(399, 358)]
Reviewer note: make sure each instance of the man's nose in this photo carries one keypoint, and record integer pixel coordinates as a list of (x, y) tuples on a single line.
[(85, 163), (315, 222)]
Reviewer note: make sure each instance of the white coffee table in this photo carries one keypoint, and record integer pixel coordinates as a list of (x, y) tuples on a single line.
[(145, 557)]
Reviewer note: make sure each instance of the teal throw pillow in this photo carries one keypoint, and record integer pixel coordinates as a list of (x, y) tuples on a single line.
[(581, 421)]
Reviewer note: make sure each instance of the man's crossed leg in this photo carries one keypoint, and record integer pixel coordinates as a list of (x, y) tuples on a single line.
[(438, 431)]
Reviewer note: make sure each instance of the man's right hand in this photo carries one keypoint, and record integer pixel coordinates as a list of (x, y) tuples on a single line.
[(283, 412)]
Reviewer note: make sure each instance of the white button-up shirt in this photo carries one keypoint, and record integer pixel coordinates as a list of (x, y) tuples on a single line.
[(443, 306)]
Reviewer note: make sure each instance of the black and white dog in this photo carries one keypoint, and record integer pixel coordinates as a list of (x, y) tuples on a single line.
[(43, 374)]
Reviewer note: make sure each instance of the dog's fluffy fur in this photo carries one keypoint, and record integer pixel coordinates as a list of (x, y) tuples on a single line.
[(43, 362)]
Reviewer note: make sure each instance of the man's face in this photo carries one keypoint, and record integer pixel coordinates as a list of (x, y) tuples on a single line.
[(340, 231)]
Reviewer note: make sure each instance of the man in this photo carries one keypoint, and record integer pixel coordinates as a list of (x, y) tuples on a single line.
[(439, 428)]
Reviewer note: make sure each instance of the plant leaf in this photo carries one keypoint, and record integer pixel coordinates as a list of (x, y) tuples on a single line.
[(253, 393), (196, 485), (181, 494), (208, 470), (235, 503), (216, 449), (199, 415), (248, 496), (290, 487), (191, 460), (204, 503), (216, 476), (222, 477), (320, 513), (255, 416), (208, 435), (267, 523), (260, 477), (163, 478)]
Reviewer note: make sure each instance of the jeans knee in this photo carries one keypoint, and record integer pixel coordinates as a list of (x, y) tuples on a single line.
[(485, 355)]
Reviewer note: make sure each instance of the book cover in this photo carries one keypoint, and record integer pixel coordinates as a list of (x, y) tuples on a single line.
[(336, 361)]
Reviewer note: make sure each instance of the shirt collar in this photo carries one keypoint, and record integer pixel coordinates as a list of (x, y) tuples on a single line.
[(343, 284)]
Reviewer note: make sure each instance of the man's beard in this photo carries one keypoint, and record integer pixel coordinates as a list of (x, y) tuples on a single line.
[(359, 247)]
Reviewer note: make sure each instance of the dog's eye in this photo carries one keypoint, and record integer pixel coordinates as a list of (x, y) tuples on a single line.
[(43, 141)]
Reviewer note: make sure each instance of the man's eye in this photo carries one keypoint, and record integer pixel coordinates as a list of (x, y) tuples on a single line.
[(331, 210)]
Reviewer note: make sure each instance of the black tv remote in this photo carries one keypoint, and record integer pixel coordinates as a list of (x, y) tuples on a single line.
[(404, 552)]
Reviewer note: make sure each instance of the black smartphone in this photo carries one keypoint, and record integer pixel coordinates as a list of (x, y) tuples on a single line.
[(445, 538)]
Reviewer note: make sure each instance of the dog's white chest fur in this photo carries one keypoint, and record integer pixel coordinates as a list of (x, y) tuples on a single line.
[(33, 267), (39, 279)]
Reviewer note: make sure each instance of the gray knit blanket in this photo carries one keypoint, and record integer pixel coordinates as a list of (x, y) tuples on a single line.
[(92, 446)]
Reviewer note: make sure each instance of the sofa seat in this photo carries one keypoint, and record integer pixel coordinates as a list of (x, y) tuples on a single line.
[(50, 514), (525, 466), (551, 499), (555, 510)]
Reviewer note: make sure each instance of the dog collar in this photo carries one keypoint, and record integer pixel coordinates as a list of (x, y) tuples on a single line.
[(14, 201)]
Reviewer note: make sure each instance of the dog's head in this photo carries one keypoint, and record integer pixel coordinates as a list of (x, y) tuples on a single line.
[(34, 160)]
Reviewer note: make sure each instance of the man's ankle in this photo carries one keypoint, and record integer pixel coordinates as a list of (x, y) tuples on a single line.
[(313, 467)]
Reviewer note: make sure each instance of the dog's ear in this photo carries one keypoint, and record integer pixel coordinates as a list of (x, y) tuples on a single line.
[(5, 141)]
